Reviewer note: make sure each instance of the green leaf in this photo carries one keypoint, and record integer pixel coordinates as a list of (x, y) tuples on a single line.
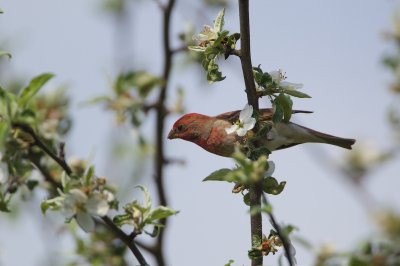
[(31, 184), (254, 254), (143, 81), (4, 206), (296, 93), (219, 175), (271, 186), (147, 199), (213, 73), (160, 212), (3, 53), (229, 263), (278, 113), (96, 100), (286, 103), (4, 130), (52, 204), (219, 21), (246, 199), (1, 11), (89, 175), (199, 49), (354, 261), (34, 86), (255, 241), (122, 219)]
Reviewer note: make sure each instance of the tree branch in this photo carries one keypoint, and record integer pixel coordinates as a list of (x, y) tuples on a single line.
[(61, 162), (247, 68), (160, 123), (245, 53), (126, 239)]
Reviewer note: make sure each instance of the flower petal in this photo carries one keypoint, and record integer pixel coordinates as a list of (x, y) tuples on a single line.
[(246, 112), (97, 206), (78, 195), (231, 129), (109, 196), (271, 169), (249, 123), (290, 85), (241, 132), (276, 75), (85, 221)]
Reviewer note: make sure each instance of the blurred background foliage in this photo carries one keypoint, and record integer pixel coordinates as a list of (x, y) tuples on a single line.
[(131, 99)]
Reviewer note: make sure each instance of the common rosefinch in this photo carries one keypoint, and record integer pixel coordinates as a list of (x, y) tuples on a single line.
[(210, 133)]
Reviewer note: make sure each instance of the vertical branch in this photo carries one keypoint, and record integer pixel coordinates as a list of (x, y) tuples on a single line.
[(247, 68), (245, 58), (160, 123)]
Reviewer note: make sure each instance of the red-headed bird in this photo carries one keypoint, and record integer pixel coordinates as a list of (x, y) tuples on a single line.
[(220, 134)]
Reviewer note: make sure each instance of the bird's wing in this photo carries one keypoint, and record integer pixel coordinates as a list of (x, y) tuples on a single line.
[(265, 114)]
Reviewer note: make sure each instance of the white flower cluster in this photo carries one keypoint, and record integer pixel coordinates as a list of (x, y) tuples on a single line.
[(245, 123), (82, 198), (209, 33)]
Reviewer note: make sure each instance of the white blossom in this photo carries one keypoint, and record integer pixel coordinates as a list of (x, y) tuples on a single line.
[(82, 207), (245, 123), (279, 77), (207, 34)]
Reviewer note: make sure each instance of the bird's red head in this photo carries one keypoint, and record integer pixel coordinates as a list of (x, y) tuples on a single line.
[(189, 127)]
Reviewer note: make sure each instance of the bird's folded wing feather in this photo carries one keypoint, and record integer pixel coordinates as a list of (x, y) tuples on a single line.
[(265, 115)]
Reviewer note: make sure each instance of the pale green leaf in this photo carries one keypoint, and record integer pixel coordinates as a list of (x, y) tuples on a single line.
[(286, 103), (3, 53), (219, 21), (160, 212), (229, 263), (297, 94), (34, 86), (219, 175), (147, 199), (197, 48)]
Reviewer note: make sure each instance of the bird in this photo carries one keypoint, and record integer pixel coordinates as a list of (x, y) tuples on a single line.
[(211, 132)]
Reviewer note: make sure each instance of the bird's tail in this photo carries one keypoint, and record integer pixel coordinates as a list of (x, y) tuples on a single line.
[(329, 139)]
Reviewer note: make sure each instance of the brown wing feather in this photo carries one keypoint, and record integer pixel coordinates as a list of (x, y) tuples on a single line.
[(265, 114)]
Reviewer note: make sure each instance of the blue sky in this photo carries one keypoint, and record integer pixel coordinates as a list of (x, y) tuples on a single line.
[(334, 48)]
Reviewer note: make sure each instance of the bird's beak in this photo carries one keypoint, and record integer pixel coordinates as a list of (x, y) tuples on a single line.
[(172, 134)]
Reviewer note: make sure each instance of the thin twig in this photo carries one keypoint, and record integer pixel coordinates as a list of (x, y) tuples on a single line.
[(43, 147), (126, 239), (252, 99), (46, 174), (282, 237)]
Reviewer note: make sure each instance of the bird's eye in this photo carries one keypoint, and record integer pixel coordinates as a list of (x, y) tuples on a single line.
[(180, 128)]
